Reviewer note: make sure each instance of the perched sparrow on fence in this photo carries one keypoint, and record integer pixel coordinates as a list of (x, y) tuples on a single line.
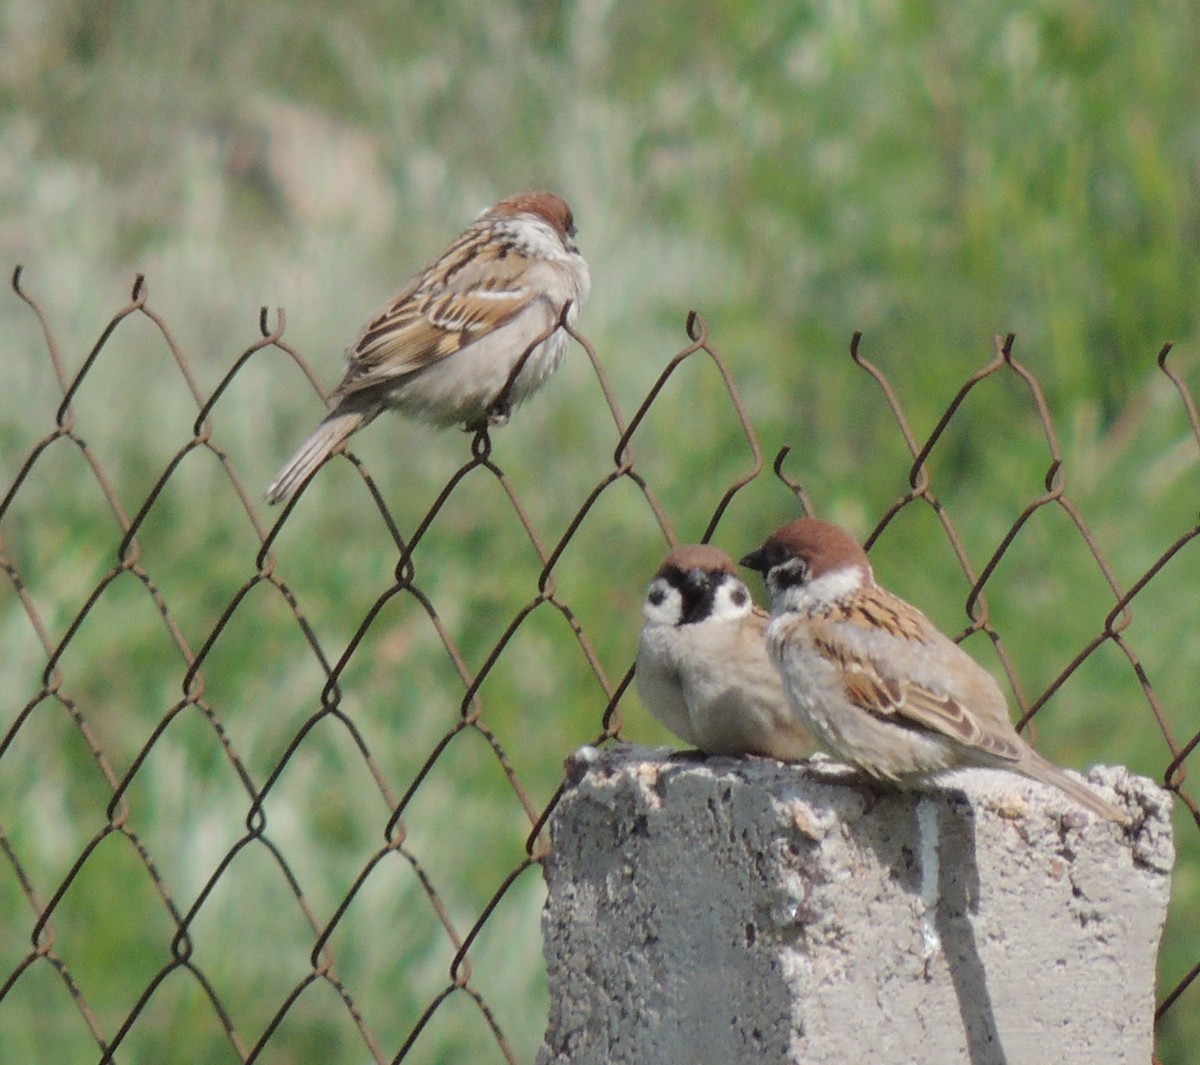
[(874, 681), (702, 666), (444, 348)]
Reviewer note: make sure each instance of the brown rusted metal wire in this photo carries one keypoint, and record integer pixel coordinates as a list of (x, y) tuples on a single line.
[(193, 665)]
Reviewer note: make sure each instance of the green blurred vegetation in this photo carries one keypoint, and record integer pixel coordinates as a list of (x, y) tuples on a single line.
[(928, 174)]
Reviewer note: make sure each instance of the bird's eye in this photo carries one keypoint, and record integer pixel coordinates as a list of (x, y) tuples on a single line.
[(656, 597)]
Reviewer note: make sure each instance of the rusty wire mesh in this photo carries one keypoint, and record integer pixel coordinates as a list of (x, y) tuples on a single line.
[(83, 757)]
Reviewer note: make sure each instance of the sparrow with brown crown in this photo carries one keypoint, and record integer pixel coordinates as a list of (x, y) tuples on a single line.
[(874, 681), (702, 667), (442, 351)]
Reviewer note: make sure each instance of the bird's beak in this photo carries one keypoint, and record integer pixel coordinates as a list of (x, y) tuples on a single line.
[(756, 560), (696, 579)]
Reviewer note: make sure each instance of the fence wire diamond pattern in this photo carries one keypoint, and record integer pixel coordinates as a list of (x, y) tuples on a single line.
[(161, 900)]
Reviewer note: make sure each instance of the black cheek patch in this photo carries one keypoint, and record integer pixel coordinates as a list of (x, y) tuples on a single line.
[(790, 574)]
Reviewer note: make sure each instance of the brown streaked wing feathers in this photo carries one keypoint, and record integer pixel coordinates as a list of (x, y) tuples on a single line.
[(902, 702), (464, 298), (877, 608), (944, 714), (872, 693)]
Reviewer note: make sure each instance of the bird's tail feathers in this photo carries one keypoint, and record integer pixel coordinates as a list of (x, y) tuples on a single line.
[(1047, 772), (315, 450)]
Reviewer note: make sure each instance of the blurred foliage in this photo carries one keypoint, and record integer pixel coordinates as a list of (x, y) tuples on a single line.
[(927, 174)]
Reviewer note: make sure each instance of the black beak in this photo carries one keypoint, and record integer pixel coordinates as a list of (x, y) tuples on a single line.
[(756, 560), (696, 579)]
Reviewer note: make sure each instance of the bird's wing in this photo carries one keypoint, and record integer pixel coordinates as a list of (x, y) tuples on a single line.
[(970, 711), (472, 290)]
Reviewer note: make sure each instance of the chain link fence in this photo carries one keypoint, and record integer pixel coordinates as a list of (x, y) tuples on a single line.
[(274, 784)]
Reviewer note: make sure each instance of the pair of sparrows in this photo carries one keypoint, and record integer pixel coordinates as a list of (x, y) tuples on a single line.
[(840, 660)]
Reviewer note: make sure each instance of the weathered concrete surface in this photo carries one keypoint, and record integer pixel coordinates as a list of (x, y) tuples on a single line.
[(728, 911)]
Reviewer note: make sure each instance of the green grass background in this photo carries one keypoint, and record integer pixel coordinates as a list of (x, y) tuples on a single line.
[(928, 174)]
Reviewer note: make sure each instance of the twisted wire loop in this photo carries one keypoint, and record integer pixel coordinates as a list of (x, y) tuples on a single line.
[(80, 716)]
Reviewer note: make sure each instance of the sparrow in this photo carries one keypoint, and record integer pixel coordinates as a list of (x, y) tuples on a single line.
[(702, 667), (874, 681), (442, 350)]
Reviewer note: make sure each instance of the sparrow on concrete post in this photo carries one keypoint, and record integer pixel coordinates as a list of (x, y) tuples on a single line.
[(702, 666), (874, 681)]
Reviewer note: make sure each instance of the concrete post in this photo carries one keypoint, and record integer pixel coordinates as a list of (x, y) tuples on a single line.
[(726, 911)]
